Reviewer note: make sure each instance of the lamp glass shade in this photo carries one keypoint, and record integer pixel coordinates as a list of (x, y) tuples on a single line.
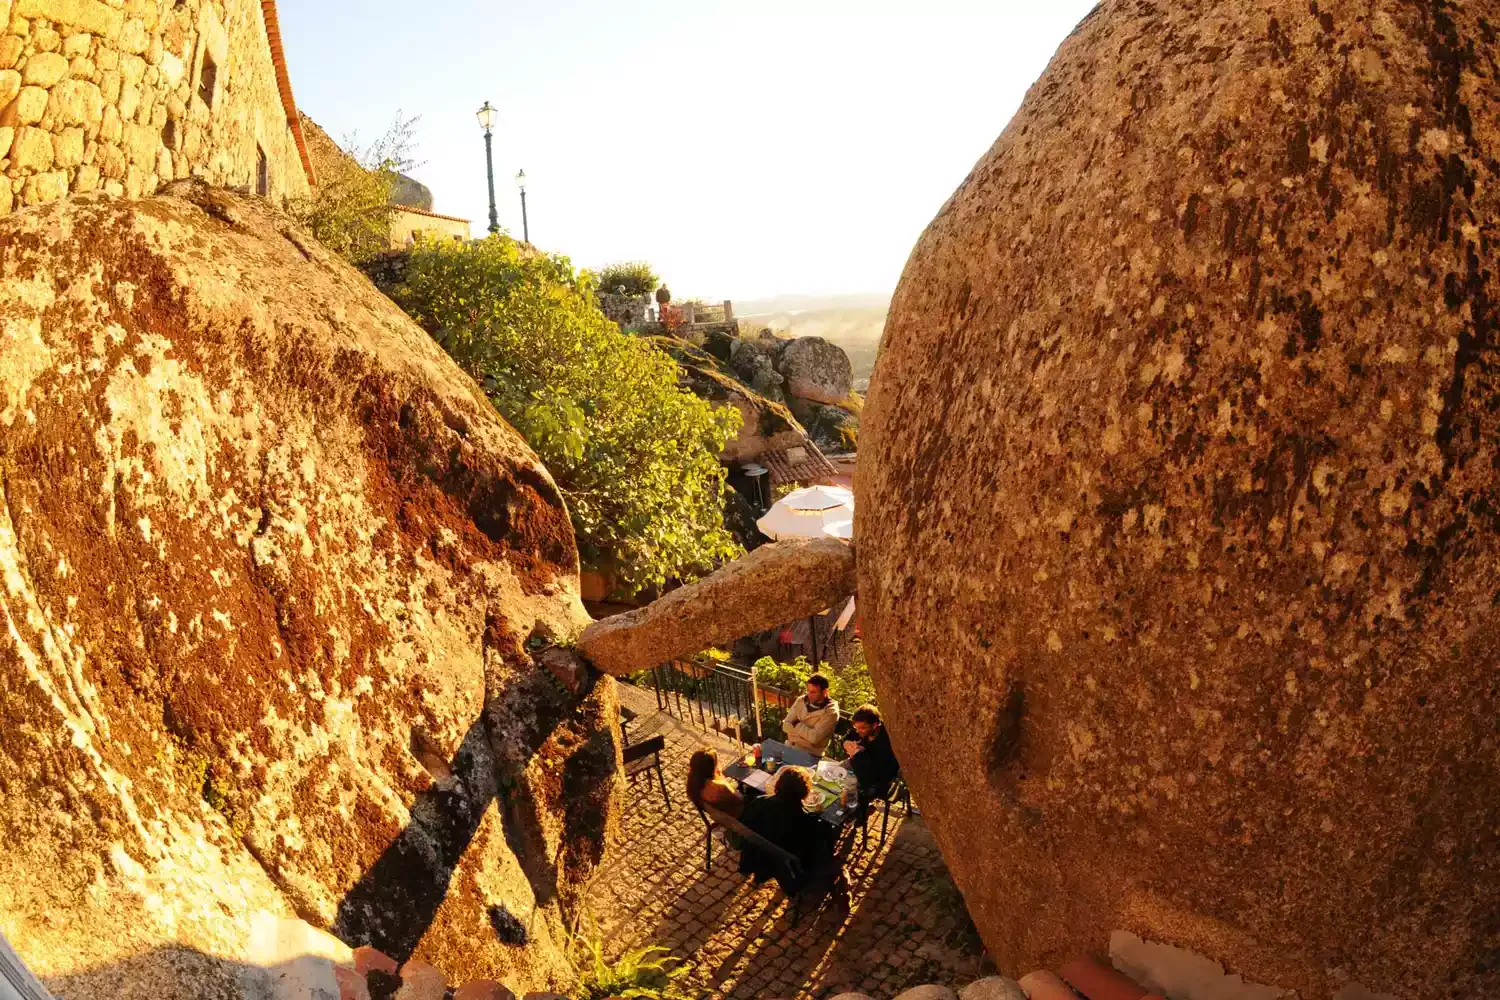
[(486, 116), (521, 179)]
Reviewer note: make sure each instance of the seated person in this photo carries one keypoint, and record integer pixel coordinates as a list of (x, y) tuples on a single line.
[(810, 722), (871, 758), (707, 786), (782, 819)]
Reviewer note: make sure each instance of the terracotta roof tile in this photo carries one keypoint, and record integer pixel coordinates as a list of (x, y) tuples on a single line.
[(431, 215), (284, 85), (787, 466)]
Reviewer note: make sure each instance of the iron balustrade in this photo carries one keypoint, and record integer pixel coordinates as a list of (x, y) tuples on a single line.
[(721, 696)]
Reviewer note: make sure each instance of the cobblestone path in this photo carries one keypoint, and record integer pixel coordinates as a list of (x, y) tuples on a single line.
[(905, 924)]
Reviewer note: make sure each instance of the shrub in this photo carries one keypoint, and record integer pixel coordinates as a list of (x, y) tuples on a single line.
[(771, 718), (646, 973), (635, 456), (350, 209), (635, 276)]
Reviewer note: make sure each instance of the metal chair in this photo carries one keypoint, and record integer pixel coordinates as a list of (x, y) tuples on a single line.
[(796, 874), (895, 791), (644, 757), (708, 835)]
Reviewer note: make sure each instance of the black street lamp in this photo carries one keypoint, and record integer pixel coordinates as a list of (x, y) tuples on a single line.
[(487, 121), (521, 183)]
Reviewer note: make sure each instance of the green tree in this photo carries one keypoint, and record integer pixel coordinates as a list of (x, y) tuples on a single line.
[(350, 209), (636, 277), (635, 456)]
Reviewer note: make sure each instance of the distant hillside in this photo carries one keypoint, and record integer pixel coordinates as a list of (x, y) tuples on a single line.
[(853, 322)]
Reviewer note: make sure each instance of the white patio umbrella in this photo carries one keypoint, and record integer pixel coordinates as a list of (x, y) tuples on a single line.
[(806, 513), (811, 512)]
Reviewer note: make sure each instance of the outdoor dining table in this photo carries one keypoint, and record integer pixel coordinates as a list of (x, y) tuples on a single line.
[(835, 814)]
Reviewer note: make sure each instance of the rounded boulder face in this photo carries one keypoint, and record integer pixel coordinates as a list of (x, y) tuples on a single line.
[(269, 564), (816, 370), (1177, 514)]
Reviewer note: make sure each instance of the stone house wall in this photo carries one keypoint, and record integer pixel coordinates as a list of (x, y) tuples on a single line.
[(126, 95), (627, 310), (409, 223)]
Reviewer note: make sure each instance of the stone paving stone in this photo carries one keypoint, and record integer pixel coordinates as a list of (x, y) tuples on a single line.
[(420, 981), (367, 959), (483, 989), (352, 985), (737, 937)]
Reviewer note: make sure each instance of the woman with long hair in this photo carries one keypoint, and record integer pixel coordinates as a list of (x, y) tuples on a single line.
[(706, 786)]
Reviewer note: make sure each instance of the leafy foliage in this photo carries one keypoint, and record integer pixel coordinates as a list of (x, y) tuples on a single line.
[(647, 973), (635, 456), (636, 277), (350, 209), (851, 685)]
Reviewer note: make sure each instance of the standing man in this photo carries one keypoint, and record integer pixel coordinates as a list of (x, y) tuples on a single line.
[(810, 722)]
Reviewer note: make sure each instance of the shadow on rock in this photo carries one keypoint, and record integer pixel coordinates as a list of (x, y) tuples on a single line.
[(393, 904)]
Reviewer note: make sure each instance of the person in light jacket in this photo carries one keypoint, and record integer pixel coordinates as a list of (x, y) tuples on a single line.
[(810, 722)]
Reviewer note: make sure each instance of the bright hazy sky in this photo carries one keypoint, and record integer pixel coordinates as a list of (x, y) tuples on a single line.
[(747, 149)]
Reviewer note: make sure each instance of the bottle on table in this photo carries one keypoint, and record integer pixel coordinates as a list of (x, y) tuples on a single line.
[(849, 792)]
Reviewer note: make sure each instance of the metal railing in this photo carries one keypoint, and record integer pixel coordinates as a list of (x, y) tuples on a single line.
[(717, 695)]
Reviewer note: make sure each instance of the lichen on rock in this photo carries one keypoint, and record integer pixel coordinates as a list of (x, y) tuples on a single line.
[(268, 562)]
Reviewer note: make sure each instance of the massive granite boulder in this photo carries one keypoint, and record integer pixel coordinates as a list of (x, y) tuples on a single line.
[(816, 370), (271, 570), (1179, 510), (755, 366)]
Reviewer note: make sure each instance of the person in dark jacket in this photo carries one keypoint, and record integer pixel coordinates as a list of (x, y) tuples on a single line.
[(870, 755), (781, 818)]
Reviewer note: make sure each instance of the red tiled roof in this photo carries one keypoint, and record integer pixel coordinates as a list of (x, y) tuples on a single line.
[(787, 467), (284, 85), (430, 215)]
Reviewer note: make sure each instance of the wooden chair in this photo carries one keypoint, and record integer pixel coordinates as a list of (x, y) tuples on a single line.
[(644, 757)]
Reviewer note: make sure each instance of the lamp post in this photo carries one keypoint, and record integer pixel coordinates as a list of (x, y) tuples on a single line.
[(486, 118), (521, 183)]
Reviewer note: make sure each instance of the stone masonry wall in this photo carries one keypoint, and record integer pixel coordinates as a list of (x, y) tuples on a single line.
[(127, 95), (409, 224)]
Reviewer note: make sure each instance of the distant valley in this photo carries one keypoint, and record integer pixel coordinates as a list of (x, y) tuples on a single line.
[(853, 322)]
